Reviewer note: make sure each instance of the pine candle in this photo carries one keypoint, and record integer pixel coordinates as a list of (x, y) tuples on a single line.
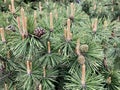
[(12, 6), (18, 23), (72, 10), (48, 46), (2, 35), (23, 20), (83, 75), (67, 12), (70, 35), (44, 72), (8, 54), (6, 87), (35, 19), (94, 26), (65, 33), (112, 6), (78, 47), (94, 7), (54, 5), (25, 23), (51, 21), (40, 7), (29, 66), (56, 14), (68, 25), (68, 30), (40, 87)]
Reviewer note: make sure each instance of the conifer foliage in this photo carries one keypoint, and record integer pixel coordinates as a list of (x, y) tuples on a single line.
[(59, 45)]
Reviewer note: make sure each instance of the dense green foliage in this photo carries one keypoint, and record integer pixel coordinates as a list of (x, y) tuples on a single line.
[(95, 23)]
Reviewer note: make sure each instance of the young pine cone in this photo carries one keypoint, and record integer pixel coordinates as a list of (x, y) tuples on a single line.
[(84, 48), (81, 59), (39, 32)]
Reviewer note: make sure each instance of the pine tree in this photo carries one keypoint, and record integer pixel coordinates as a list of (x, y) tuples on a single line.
[(60, 45)]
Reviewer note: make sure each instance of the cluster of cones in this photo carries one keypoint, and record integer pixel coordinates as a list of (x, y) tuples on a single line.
[(81, 59)]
